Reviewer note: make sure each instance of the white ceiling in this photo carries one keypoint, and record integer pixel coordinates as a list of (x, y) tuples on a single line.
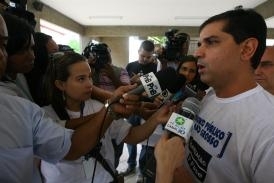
[(147, 12)]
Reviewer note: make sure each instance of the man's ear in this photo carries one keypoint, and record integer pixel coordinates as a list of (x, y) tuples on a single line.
[(59, 84), (249, 47)]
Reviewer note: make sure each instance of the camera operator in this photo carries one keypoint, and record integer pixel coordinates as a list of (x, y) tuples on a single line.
[(105, 74), (19, 9), (175, 48), (3, 5)]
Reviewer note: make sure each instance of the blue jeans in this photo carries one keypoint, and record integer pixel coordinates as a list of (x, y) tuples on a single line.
[(134, 120)]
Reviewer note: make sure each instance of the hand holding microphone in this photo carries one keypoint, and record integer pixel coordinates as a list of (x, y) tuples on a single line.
[(122, 103), (169, 154), (154, 84), (161, 83), (178, 125)]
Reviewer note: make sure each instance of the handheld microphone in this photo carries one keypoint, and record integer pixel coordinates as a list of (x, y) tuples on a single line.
[(178, 124), (184, 92), (155, 84)]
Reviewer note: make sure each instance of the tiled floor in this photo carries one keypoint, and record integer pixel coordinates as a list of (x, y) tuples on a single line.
[(123, 164)]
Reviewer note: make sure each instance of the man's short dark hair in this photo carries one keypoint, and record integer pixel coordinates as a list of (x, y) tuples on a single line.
[(243, 24), (147, 45)]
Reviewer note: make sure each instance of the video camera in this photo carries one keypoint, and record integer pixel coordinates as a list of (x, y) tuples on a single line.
[(99, 53), (174, 46), (19, 9)]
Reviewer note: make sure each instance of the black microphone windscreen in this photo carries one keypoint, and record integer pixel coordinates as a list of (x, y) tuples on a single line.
[(169, 79)]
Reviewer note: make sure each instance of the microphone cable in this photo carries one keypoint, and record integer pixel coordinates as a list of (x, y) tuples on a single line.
[(98, 146), (146, 159)]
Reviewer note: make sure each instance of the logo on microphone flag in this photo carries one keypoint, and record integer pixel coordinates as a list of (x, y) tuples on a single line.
[(179, 125), (179, 120)]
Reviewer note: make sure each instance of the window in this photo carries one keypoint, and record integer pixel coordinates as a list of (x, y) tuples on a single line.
[(270, 42), (61, 35), (134, 44)]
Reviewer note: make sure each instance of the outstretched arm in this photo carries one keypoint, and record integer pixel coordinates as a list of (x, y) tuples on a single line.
[(142, 132), (86, 136)]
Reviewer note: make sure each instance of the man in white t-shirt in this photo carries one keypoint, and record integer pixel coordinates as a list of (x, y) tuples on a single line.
[(232, 138)]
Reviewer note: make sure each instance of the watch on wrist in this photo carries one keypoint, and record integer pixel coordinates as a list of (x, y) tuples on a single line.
[(110, 112)]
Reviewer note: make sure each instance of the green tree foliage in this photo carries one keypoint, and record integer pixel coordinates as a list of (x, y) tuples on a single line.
[(75, 45), (158, 39)]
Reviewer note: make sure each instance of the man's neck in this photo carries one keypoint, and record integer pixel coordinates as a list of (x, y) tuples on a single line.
[(234, 89)]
